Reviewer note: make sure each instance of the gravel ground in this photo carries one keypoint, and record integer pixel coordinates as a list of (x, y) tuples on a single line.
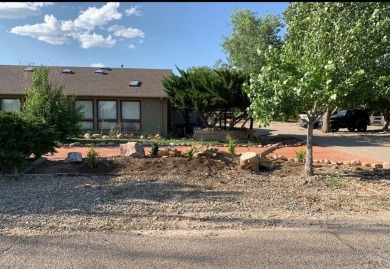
[(177, 194), (197, 196)]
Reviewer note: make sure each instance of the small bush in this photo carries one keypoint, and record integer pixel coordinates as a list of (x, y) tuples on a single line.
[(20, 137), (301, 155), (231, 146), (92, 157), (154, 149), (191, 151), (334, 182), (47, 101)]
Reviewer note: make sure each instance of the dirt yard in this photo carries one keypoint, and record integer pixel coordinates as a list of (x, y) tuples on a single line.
[(179, 193)]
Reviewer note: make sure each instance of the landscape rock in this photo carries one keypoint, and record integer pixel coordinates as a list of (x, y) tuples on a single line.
[(74, 157), (132, 149)]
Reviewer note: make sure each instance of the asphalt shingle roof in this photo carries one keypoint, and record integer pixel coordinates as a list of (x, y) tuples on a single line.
[(84, 81)]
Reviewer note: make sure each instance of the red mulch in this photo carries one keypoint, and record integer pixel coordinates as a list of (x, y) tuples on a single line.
[(319, 152)]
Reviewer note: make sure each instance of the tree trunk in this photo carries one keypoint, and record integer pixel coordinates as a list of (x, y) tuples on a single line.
[(309, 146), (326, 120), (224, 120), (386, 116), (386, 126), (270, 149), (205, 122)]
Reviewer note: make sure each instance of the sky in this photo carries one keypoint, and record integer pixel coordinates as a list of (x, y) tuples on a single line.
[(156, 35)]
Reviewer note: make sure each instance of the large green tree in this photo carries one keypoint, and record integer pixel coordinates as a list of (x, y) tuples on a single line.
[(51, 104), (251, 34), (327, 56), (209, 92)]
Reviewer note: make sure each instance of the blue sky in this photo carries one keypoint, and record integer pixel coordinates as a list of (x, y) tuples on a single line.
[(110, 34)]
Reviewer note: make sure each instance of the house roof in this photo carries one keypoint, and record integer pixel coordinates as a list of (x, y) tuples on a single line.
[(84, 82)]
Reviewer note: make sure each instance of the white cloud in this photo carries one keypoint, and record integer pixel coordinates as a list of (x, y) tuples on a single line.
[(92, 17), (49, 31), (94, 40), (141, 41), (125, 32), (9, 10), (57, 32), (97, 65), (134, 11), (131, 46)]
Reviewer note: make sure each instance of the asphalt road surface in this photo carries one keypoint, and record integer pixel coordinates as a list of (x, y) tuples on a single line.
[(260, 248)]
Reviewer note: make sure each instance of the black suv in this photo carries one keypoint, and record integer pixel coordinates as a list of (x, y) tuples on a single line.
[(352, 119)]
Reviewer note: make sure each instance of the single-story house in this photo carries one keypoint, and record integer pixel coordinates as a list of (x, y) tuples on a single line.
[(134, 98)]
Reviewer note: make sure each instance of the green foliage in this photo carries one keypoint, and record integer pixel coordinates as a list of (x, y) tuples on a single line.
[(191, 151), (301, 155), (209, 92), (333, 182), (92, 157), (169, 136), (250, 35), (333, 52), (52, 105), (19, 138), (231, 146), (154, 149)]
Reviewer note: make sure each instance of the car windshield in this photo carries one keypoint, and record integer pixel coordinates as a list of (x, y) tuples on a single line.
[(341, 113)]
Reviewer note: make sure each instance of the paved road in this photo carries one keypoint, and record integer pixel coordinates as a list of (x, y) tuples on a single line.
[(263, 248), (375, 146)]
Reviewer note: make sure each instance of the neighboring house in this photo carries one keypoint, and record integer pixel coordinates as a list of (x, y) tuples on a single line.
[(134, 98)]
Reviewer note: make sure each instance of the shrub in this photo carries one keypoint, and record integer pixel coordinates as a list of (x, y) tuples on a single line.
[(154, 149), (191, 151), (52, 105), (301, 155), (334, 182), (92, 157), (231, 146), (19, 138)]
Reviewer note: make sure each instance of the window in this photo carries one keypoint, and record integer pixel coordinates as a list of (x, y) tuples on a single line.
[(131, 114), (131, 110), (12, 105), (135, 83), (107, 114), (67, 71), (87, 123), (100, 72)]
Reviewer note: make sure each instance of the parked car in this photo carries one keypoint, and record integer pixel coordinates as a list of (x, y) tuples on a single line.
[(317, 124), (304, 121), (352, 119)]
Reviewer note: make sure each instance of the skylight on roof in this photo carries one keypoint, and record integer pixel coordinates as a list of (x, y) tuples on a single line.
[(29, 69), (100, 72), (106, 68), (135, 83), (67, 71)]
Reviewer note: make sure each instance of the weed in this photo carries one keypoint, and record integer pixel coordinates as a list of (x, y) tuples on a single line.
[(191, 151), (154, 149), (301, 155), (92, 157), (333, 182), (231, 146)]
